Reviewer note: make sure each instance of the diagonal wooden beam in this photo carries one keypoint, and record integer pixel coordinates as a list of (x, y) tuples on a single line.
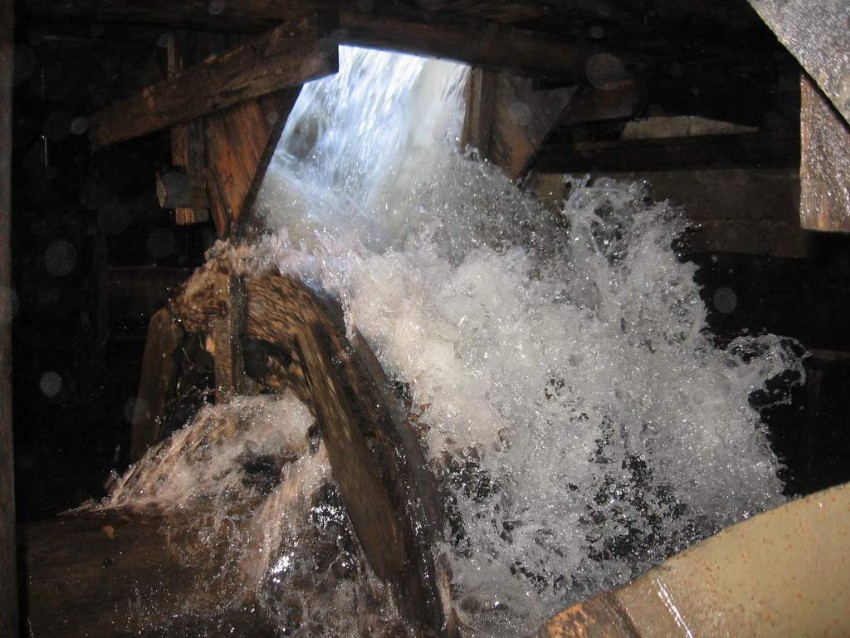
[(287, 56), (818, 35)]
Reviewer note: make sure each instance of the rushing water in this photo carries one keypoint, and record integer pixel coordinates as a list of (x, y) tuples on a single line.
[(575, 404)]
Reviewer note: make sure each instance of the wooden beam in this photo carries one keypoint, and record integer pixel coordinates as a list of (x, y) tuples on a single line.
[(508, 121), (8, 559), (751, 150), (475, 37), (818, 35), (480, 43), (824, 163), (287, 56), (117, 574)]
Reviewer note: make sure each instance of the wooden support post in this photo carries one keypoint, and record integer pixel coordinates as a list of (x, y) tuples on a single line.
[(824, 163), (285, 57), (157, 382), (8, 561)]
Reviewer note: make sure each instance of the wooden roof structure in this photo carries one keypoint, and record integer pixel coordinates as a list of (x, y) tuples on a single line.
[(621, 60)]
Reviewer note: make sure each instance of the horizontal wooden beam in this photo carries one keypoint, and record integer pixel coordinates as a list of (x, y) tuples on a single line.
[(750, 150), (285, 57), (480, 43), (408, 27)]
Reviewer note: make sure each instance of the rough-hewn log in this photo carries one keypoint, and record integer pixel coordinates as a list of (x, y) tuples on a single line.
[(824, 163), (749, 150), (156, 385), (8, 580), (818, 35), (285, 57), (114, 574)]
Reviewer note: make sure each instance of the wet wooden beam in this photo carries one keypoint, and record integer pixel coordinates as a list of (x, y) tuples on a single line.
[(8, 562), (818, 35), (156, 384), (285, 57), (824, 163), (116, 574), (751, 150)]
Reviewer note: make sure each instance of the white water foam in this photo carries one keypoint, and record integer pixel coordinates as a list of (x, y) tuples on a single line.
[(577, 409), (562, 359)]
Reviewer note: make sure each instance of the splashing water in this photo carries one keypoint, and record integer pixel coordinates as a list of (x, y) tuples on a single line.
[(577, 409)]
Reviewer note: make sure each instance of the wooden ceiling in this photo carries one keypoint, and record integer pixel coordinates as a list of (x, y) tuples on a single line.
[(630, 59)]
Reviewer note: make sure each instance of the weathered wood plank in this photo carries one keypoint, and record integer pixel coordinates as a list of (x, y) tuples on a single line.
[(590, 104), (824, 163), (285, 57), (8, 580), (156, 385), (239, 145)]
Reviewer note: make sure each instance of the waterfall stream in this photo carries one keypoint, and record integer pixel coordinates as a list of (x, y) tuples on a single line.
[(571, 397)]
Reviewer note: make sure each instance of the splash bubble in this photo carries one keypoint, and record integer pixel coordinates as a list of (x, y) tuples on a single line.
[(725, 300), (50, 384), (60, 258)]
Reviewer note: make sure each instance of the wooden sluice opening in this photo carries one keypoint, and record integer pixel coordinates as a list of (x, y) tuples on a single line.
[(89, 571)]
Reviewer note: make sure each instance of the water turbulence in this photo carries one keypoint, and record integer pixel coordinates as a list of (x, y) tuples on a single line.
[(581, 420)]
